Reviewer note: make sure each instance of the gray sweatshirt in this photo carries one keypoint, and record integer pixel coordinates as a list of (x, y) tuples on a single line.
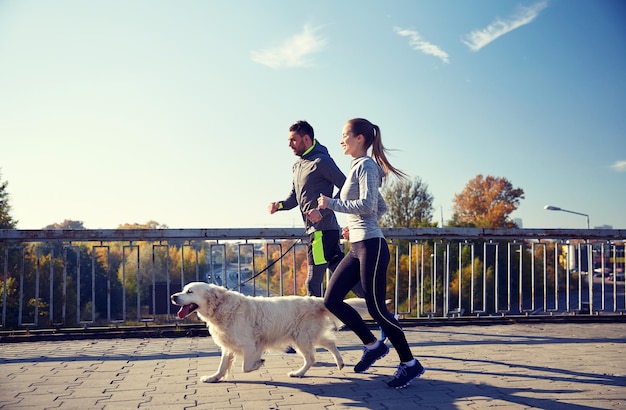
[(314, 173), (361, 200)]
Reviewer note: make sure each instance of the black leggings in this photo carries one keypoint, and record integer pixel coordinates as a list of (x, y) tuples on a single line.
[(366, 262)]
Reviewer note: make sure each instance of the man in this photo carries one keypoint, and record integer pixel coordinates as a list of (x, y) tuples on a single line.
[(314, 173)]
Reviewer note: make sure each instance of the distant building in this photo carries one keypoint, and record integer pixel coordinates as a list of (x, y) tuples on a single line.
[(603, 227)]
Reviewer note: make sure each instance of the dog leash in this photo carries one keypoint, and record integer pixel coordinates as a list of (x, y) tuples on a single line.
[(271, 264)]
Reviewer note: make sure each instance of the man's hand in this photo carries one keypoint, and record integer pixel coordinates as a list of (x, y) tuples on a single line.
[(272, 207), (314, 215)]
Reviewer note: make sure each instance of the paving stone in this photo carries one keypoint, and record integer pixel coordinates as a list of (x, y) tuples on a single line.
[(517, 366)]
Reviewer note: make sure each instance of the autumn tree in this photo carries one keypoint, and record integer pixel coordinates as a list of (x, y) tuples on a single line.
[(409, 204), (486, 202)]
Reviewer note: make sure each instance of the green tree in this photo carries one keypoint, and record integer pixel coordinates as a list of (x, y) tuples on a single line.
[(148, 225), (66, 224), (409, 204), (486, 202), (6, 221)]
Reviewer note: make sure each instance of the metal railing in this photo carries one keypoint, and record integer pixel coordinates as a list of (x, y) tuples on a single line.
[(90, 278)]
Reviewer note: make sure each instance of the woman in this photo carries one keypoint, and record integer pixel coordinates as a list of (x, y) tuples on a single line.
[(369, 254)]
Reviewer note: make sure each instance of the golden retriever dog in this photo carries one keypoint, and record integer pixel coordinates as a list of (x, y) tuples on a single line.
[(246, 326)]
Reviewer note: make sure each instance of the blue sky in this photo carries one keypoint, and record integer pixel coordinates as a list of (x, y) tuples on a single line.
[(117, 112)]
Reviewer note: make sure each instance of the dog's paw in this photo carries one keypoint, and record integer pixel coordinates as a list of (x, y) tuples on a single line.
[(250, 367), (340, 365), (210, 379), (259, 364), (296, 374)]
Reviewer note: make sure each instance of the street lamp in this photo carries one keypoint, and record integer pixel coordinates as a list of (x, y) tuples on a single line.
[(556, 208)]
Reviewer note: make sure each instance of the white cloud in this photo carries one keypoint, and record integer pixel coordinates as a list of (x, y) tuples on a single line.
[(619, 166), (477, 39), (294, 52), (417, 43)]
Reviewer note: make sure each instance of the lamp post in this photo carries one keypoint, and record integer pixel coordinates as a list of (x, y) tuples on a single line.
[(556, 208), (585, 307)]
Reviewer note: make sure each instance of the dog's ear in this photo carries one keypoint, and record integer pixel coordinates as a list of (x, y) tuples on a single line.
[(213, 295)]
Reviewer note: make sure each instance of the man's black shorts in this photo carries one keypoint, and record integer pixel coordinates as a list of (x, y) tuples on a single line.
[(324, 247)]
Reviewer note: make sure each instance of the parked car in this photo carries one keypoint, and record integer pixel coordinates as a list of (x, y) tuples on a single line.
[(597, 272)]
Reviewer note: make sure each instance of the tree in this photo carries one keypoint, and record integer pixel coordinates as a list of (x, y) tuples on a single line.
[(9, 265), (148, 225), (409, 204), (66, 224), (486, 203), (6, 221)]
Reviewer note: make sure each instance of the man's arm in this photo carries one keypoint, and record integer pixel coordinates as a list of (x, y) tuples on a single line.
[(333, 174), (286, 204)]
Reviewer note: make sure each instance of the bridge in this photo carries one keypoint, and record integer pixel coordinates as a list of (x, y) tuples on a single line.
[(499, 318), (61, 280)]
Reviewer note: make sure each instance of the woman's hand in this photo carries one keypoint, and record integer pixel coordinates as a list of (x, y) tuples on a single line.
[(345, 232), (322, 201)]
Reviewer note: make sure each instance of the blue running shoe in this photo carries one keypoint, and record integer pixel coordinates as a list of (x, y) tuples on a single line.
[(370, 356), (406, 374)]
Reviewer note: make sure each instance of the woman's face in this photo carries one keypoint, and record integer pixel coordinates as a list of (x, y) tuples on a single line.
[(350, 143)]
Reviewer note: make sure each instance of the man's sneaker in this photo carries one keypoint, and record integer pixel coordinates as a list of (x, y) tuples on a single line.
[(370, 356), (406, 374)]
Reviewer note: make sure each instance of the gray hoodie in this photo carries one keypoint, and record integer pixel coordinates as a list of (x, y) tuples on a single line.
[(314, 173), (361, 199)]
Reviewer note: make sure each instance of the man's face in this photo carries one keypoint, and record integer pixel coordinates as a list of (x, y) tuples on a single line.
[(297, 143)]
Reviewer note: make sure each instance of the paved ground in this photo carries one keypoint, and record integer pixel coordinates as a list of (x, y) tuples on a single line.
[(518, 366)]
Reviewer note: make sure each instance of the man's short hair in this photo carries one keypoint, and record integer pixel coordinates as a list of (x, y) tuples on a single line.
[(303, 128)]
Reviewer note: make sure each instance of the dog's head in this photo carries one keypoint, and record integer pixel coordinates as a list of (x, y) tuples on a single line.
[(197, 296)]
